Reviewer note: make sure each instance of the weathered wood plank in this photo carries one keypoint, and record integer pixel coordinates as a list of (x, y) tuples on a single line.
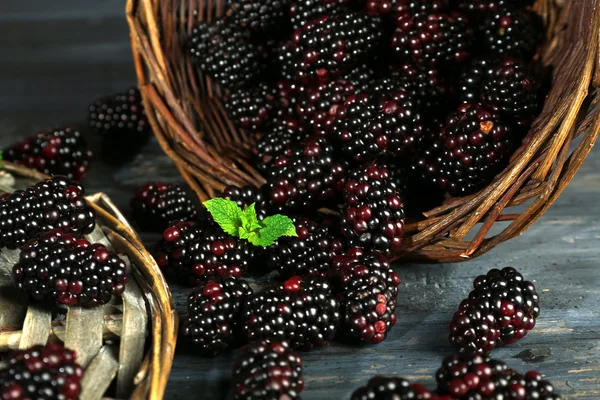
[(37, 325), (84, 332), (99, 374)]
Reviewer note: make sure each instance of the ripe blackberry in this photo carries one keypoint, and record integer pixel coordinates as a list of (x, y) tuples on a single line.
[(432, 89), (367, 289), (62, 151), (258, 14), (302, 312), (384, 388), (302, 12), (250, 109), (278, 141), (156, 204), (476, 7), (502, 308), (246, 196), (308, 254), (224, 51), (327, 46), (472, 79), (57, 202), (510, 91), (267, 371), (41, 373), (476, 377), (477, 145), (373, 212), (512, 33), (213, 315), (71, 271)]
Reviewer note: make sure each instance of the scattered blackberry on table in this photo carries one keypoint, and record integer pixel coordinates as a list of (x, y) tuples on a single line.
[(367, 289), (472, 79), (71, 271), (157, 204), (373, 211), (246, 196), (278, 141), (61, 151), (57, 202), (387, 388), (258, 14), (251, 109), (302, 12), (213, 315), (502, 308), (267, 371), (223, 50), (477, 145), (300, 311), (41, 373)]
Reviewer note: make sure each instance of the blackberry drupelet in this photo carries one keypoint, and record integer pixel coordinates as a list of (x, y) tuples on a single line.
[(386, 388), (246, 196), (472, 79), (302, 12), (61, 151), (512, 33), (300, 311), (41, 373), (502, 308), (367, 289), (213, 315), (267, 371), (373, 212), (224, 51), (477, 145), (157, 204), (251, 109), (71, 271), (57, 202), (308, 254), (278, 141), (258, 15)]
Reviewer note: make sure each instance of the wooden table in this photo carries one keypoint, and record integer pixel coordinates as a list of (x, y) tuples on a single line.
[(58, 56)]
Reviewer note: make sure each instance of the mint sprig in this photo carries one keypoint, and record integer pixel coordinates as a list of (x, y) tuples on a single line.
[(244, 224)]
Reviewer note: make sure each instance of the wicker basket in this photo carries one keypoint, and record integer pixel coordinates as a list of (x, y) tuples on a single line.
[(130, 341), (190, 123)]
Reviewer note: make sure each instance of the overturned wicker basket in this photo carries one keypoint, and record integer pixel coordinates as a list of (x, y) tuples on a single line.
[(190, 123), (130, 341)]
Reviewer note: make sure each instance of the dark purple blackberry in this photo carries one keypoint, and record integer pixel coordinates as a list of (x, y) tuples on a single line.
[(476, 7), (476, 377), (308, 254), (285, 61), (472, 78), (71, 271), (156, 204), (432, 90), (62, 151), (246, 196), (304, 11), (41, 373), (510, 91), (267, 371), (327, 47), (250, 109), (57, 202), (477, 145), (512, 33), (258, 14), (213, 315), (386, 388), (224, 51), (373, 212), (502, 308), (278, 141), (300, 311)]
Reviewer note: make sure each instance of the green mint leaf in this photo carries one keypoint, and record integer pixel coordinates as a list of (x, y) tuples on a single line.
[(273, 228), (226, 213), (255, 239)]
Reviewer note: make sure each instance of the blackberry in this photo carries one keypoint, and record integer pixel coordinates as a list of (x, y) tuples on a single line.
[(512, 33), (476, 377), (476, 7), (250, 109), (384, 388), (472, 79), (373, 212), (156, 204), (267, 371), (213, 314), (477, 145), (302, 312), (431, 89), (327, 46), (502, 308), (246, 196), (278, 142), (41, 373), (61, 151), (285, 61), (304, 11), (57, 202), (71, 271), (224, 51), (510, 91), (367, 289), (258, 14), (308, 254)]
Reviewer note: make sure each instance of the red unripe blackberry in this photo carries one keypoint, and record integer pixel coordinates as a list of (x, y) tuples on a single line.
[(472, 79), (57, 202), (501, 309), (387, 388), (300, 311), (513, 33), (302, 12), (71, 271), (258, 15), (278, 141), (367, 289), (61, 151), (373, 211), (267, 371), (156, 204), (213, 315), (41, 373), (252, 108)]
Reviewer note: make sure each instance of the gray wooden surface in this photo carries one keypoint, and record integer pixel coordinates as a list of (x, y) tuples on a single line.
[(58, 56)]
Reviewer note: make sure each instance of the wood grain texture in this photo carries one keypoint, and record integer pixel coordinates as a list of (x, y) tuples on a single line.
[(60, 56)]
